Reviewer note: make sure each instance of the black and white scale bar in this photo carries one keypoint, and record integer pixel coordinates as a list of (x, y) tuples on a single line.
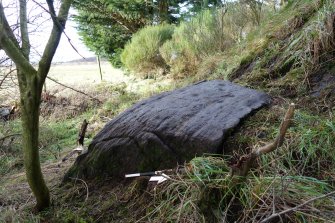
[(142, 174)]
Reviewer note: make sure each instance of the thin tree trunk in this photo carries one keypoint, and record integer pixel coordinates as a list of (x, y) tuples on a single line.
[(30, 100), (163, 11), (31, 84)]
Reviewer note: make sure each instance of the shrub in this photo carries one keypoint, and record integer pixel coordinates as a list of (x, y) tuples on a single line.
[(200, 37), (141, 54)]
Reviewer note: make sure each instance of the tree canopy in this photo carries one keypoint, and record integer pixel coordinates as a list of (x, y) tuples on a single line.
[(107, 25)]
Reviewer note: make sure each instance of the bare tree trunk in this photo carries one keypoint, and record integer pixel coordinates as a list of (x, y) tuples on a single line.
[(30, 101), (31, 83), (163, 11)]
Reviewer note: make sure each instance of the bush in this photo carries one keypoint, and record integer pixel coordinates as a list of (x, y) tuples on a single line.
[(141, 54), (204, 35)]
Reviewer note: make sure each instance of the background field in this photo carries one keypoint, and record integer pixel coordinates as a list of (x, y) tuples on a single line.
[(85, 74), (85, 77)]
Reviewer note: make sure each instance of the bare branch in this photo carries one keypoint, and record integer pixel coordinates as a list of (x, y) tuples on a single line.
[(82, 133), (281, 135), (8, 136), (81, 92), (52, 13), (5, 28), (6, 75), (245, 162), (57, 30), (268, 219), (24, 29), (10, 45)]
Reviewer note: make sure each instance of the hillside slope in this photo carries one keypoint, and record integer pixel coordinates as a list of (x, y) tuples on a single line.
[(292, 55)]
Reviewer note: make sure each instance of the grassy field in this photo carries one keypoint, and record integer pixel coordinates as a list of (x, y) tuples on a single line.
[(85, 77), (81, 75), (85, 74)]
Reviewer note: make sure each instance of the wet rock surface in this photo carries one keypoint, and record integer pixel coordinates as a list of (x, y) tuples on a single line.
[(167, 129)]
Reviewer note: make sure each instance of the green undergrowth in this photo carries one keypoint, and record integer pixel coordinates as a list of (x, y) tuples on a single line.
[(58, 134), (302, 169), (308, 150), (206, 193), (141, 54), (285, 54), (56, 138)]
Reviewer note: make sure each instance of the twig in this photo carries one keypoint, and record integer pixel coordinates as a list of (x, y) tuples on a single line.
[(296, 207), (281, 135), (5, 76), (55, 20), (8, 136), (73, 89), (85, 184), (245, 162)]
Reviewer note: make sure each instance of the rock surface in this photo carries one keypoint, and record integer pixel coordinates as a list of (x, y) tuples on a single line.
[(167, 129)]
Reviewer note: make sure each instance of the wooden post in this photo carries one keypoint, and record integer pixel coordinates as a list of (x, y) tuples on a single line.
[(98, 58)]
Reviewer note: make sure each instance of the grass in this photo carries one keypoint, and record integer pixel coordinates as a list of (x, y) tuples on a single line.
[(284, 60), (205, 194), (310, 152)]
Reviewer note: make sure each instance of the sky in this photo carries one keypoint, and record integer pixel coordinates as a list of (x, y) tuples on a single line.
[(40, 26), (65, 52)]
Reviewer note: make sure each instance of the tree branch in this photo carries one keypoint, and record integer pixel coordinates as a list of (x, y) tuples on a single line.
[(10, 45), (268, 219), (24, 29), (81, 92), (81, 135), (245, 162), (8, 136), (52, 13), (6, 27), (281, 135), (5, 76), (57, 30)]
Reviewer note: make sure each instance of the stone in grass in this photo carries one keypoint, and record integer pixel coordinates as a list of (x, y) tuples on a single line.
[(167, 129)]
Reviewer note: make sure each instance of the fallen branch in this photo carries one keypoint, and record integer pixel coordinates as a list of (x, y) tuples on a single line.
[(8, 136), (296, 207), (245, 162), (85, 184), (73, 89), (5, 76)]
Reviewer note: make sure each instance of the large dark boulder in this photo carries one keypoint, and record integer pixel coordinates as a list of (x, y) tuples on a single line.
[(167, 129)]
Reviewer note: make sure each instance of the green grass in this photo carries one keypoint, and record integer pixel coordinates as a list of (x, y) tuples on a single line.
[(206, 193), (310, 151)]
